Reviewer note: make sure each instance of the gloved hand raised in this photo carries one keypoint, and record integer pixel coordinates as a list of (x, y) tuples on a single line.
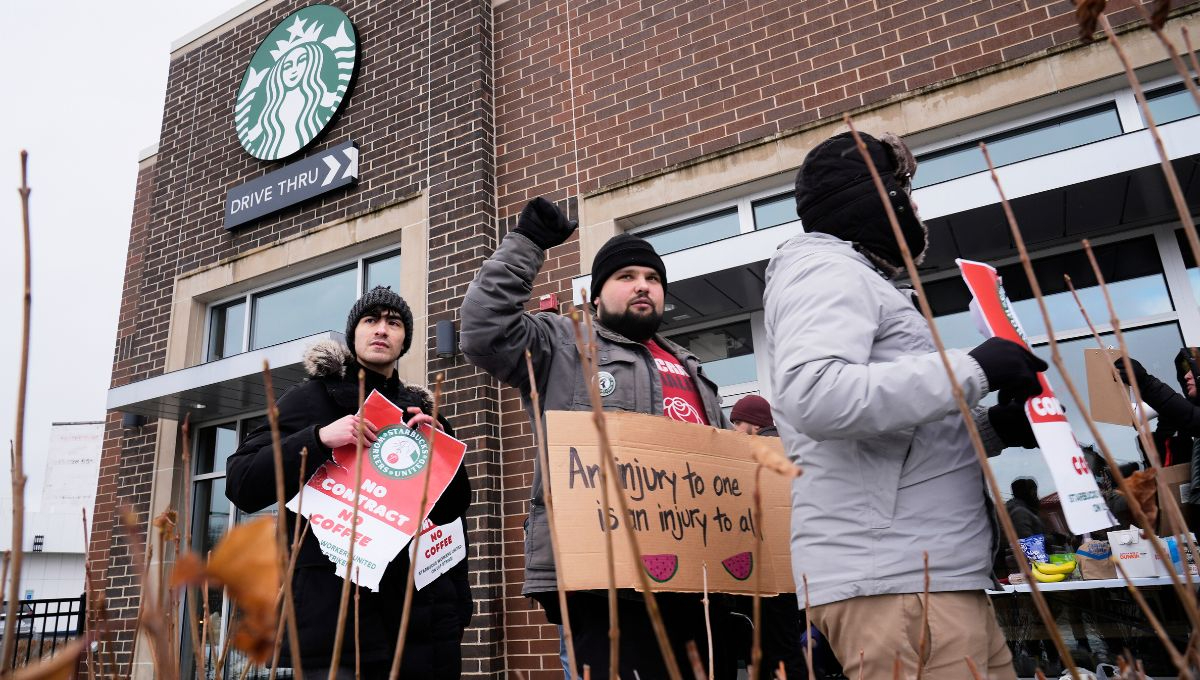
[(543, 223), (1009, 367), (1011, 424), (1139, 373)]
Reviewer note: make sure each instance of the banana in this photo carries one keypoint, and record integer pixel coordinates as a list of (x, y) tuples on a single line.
[(1047, 578), (1048, 568)]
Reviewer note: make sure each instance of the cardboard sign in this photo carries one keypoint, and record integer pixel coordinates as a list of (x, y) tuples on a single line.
[(1082, 504), (1108, 398), (690, 495), (389, 499), (439, 548)]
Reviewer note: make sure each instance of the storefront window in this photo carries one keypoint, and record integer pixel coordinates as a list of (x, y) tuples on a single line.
[(228, 326), (212, 516), (726, 352), (1171, 104), (302, 309), (694, 232), (774, 211), (383, 271), (294, 310), (1132, 269), (1031, 141)]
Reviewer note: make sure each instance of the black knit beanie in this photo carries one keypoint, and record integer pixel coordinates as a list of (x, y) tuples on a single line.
[(624, 250), (835, 195), (380, 297)]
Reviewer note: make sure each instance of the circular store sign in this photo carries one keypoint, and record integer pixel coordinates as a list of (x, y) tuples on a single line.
[(295, 82), (399, 452)]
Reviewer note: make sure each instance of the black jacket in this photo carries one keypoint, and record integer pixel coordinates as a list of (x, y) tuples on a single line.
[(440, 611), (1178, 416)]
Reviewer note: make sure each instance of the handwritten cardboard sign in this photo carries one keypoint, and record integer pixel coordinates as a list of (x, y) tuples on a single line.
[(389, 498), (1082, 504), (690, 493)]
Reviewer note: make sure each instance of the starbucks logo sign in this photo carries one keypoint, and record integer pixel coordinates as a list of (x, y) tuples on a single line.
[(399, 452), (295, 82)]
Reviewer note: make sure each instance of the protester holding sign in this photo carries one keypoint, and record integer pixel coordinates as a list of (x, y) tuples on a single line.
[(639, 371), (862, 402), (319, 415)]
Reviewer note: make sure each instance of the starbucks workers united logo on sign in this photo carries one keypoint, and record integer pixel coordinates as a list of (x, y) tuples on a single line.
[(399, 452), (296, 81)]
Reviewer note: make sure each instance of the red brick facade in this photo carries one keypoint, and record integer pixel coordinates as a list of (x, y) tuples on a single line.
[(632, 89)]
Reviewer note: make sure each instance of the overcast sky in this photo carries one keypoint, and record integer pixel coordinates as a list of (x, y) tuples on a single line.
[(84, 85)]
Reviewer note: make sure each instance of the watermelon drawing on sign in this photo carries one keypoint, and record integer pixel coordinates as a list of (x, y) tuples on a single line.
[(739, 566), (661, 568)]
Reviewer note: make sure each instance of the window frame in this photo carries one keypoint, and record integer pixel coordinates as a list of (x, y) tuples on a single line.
[(360, 263)]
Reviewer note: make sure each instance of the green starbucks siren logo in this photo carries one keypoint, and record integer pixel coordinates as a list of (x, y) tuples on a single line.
[(296, 81), (399, 452)]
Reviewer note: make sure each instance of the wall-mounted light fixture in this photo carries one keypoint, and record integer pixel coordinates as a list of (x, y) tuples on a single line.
[(131, 420), (447, 339)]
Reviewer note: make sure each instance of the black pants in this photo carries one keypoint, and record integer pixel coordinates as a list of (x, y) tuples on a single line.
[(683, 617)]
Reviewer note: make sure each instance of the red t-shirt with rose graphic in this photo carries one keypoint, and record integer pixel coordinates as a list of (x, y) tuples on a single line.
[(681, 399)]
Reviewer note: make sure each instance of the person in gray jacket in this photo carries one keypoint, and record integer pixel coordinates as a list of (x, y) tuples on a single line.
[(863, 404), (638, 371)]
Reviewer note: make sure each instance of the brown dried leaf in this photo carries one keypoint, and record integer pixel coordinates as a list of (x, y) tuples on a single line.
[(188, 570), (1145, 495), (246, 562), (1158, 17), (166, 522), (770, 458), (1087, 14), (58, 667)]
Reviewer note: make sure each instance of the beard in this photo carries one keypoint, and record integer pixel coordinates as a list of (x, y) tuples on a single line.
[(636, 327)]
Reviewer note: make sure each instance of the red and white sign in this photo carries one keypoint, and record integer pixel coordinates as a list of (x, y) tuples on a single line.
[(439, 548), (1083, 505), (389, 499)]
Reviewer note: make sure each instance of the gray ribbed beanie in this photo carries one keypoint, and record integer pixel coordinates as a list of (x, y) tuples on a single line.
[(380, 297)]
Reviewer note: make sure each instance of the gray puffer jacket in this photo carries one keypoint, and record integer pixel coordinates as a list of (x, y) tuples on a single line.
[(496, 331), (862, 402)]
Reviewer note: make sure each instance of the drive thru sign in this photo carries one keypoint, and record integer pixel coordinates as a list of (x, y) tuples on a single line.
[(1082, 504)]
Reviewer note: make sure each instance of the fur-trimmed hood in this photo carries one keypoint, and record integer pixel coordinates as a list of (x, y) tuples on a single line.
[(329, 360)]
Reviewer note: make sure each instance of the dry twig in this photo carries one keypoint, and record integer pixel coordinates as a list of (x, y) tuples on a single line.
[(402, 636), (18, 449), (608, 467), (289, 603), (547, 497), (335, 660)]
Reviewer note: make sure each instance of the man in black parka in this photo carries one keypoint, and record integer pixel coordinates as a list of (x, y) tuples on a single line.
[(319, 415)]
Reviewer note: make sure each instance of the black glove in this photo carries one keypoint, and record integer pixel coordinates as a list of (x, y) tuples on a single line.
[(1009, 367), (543, 223), (1139, 373), (1009, 421)]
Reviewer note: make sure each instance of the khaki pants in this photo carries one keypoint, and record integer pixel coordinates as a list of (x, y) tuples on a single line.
[(884, 627)]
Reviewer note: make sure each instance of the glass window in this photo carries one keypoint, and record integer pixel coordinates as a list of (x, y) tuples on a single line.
[(213, 447), (774, 211), (725, 352), (1171, 103), (1031, 141), (312, 306), (1190, 262), (1132, 270), (383, 271), (694, 232), (227, 327)]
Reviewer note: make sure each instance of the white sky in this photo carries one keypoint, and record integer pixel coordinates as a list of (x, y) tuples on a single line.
[(84, 84)]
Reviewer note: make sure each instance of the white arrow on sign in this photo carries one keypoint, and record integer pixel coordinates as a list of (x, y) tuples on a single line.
[(332, 163)]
